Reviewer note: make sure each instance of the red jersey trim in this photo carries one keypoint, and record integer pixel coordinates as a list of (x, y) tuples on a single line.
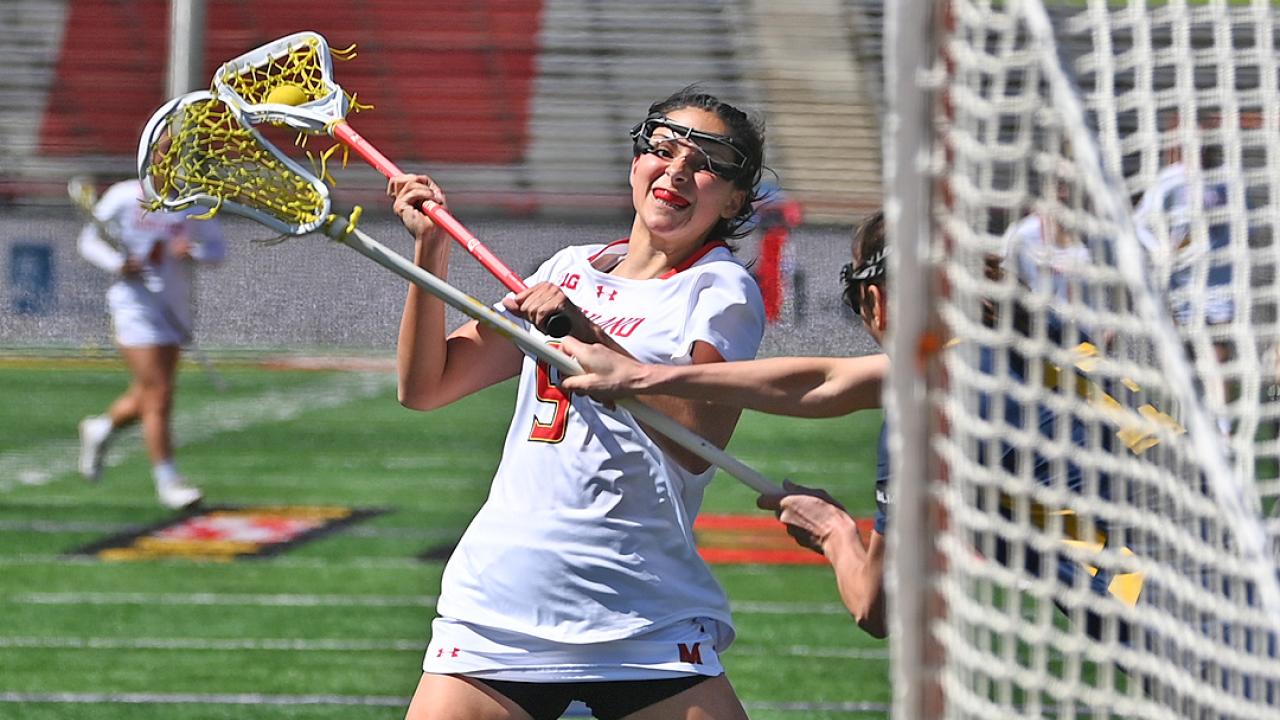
[(605, 249), (689, 261)]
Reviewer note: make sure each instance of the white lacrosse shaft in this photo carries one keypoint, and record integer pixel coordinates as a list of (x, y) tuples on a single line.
[(357, 240)]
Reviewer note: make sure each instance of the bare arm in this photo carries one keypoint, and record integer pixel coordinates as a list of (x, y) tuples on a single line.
[(821, 524), (99, 251), (799, 386), (435, 370), (859, 574), (712, 421)]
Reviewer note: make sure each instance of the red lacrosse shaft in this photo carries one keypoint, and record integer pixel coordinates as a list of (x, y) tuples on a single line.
[(433, 210)]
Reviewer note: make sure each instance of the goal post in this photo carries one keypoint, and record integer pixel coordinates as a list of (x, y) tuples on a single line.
[(1083, 200)]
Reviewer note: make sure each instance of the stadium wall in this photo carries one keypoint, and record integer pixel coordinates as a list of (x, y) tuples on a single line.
[(309, 295)]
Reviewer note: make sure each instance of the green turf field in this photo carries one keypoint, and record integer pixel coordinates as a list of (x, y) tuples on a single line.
[(335, 628)]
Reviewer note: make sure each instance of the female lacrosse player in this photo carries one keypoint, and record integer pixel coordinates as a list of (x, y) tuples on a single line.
[(150, 303), (579, 578)]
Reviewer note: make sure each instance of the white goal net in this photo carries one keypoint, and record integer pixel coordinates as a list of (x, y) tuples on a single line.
[(1084, 201)]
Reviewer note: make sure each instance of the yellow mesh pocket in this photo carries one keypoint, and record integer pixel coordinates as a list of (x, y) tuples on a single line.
[(303, 66), (197, 151)]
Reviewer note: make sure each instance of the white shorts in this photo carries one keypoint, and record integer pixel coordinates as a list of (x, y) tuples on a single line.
[(684, 648), (142, 326)]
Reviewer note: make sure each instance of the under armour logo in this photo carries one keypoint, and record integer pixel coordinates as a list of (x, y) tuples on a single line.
[(600, 291), (453, 652)]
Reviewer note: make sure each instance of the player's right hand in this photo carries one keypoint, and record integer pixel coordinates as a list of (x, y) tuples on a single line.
[(409, 192), (180, 248), (133, 266), (539, 302)]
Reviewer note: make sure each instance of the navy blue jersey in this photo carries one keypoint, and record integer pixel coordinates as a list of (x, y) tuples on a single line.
[(883, 497), (1046, 470)]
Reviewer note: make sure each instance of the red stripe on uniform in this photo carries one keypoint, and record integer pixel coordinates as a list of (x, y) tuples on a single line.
[(688, 263)]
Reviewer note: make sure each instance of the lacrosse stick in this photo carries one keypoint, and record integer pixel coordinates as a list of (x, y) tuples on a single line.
[(290, 82), (85, 197), (196, 151)]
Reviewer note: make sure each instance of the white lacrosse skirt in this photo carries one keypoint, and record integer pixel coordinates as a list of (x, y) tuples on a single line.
[(678, 650), (140, 318)]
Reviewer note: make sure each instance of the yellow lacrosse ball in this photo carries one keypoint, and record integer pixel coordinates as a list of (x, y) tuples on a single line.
[(286, 95)]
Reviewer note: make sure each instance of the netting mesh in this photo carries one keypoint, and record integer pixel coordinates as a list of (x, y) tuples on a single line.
[(1103, 258), (303, 65), (289, 82), (197, 151)]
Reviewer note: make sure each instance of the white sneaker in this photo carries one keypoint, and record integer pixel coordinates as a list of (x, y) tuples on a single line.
[(178, 495), (94, 432)]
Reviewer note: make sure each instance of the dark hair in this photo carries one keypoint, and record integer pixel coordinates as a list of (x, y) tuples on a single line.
[(870, 255), (747, 133)]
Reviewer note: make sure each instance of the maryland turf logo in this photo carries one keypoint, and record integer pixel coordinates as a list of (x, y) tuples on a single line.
[(752, 539), (227, 533), (729, 540)]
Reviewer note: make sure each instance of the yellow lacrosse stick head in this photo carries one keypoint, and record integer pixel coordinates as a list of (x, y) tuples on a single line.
[(196, 150)]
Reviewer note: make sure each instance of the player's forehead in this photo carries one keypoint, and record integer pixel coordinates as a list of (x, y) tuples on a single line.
[(698, 119)]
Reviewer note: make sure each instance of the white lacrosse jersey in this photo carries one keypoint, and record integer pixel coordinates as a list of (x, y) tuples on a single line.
[(1164, 217), (1044, 264), (587, 533), (163, 290)]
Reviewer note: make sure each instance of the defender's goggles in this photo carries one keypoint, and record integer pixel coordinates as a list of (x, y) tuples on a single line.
[(718, 154), (871, 269)]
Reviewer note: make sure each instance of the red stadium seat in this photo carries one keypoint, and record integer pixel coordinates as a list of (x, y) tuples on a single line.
[(451, 82)]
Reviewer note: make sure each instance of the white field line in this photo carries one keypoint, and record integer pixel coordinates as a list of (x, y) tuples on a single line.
[(222, 599), (850, 708), (417, 483), (68, 698), (58, 527), (294, 563), (265, 644), (49, 461), (309, 600), (802, 708), (343, 645), (76, 526)]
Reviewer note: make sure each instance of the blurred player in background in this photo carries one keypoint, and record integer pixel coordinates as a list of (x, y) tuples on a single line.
[(579, 578), (776, 215), (152, 255), (1045, 256), (1165, 218), (799, 386)]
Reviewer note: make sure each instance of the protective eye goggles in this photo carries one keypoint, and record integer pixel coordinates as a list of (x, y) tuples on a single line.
[(718, 154), (853, 278)]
